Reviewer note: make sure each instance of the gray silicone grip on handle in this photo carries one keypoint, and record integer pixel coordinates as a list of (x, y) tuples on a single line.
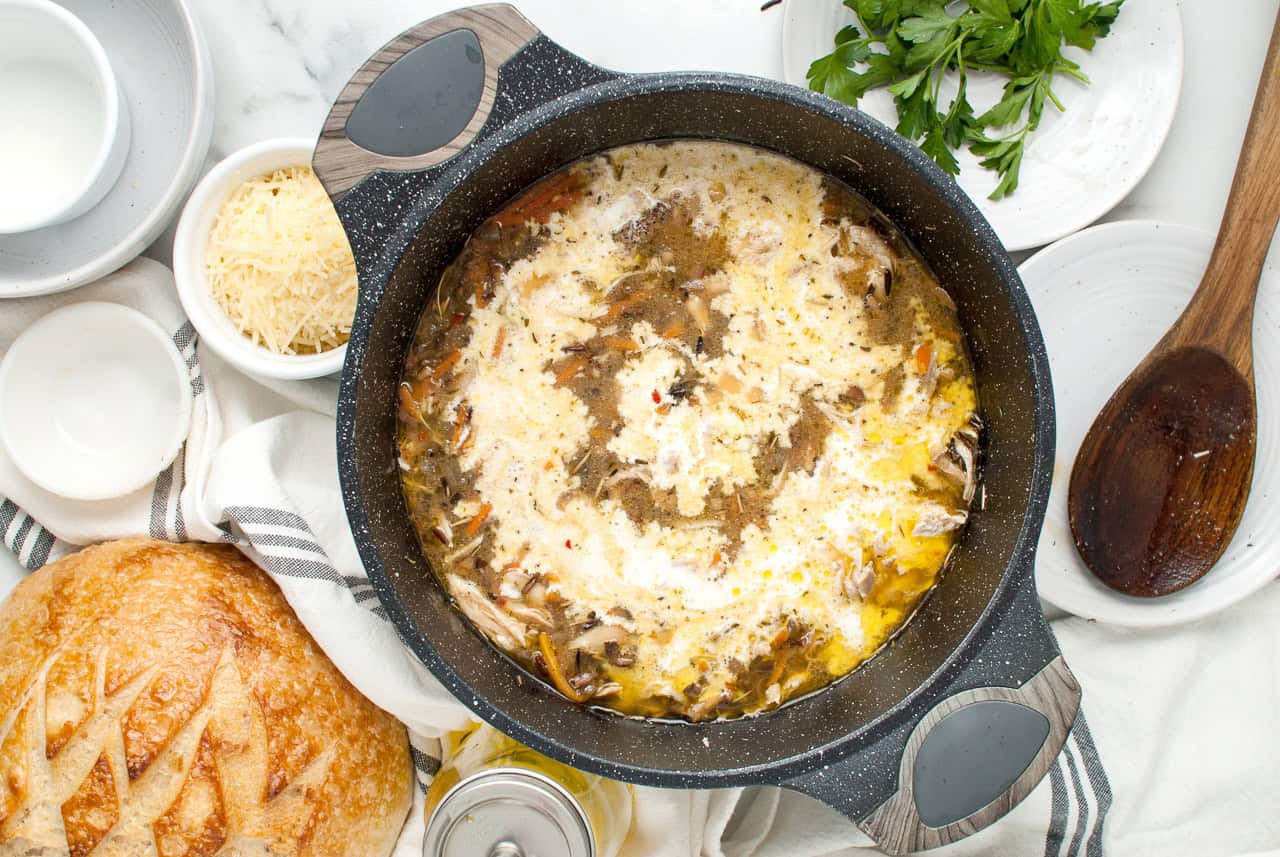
[(979, 748), (395, 99), (973, 758)]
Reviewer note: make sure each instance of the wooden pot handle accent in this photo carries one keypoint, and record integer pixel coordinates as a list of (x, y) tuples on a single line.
[(340, 163)]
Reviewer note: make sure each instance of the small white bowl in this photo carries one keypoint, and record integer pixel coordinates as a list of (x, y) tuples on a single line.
[(67, 130), (191, 244), (95, 400)]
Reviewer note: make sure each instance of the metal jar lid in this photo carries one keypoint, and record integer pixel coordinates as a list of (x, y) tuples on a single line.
[(508, 812)]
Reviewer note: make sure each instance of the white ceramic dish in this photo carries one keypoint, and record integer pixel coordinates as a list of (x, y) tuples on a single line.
[(95, 400), (163, 68), (191, 243), (1079, 164), (1104, 297), (67, 122)]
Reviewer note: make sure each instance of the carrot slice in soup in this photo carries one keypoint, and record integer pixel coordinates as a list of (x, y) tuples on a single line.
[(474, 525), (553, 670), (923, 355), (450, 360), (557, 193), (569, 368)]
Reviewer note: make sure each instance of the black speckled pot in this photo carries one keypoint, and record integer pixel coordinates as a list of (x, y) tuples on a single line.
[(962, 714)]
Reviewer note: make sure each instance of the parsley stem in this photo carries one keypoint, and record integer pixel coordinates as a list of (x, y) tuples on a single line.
[(963, 85), (1054, 99), (986, 66), (1073, 70)]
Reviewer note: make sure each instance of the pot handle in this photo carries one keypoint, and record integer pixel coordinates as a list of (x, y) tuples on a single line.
[(974, 756), (430, 92)]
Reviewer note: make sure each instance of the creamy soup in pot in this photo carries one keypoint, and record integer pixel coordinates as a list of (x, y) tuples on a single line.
[(688, 429)]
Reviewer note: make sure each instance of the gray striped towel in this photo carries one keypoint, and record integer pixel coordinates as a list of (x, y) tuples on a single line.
[(233, 481), (259, 471)]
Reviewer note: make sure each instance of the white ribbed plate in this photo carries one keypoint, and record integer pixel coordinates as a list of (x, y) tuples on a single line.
[(1078, 164), (1104, 297)]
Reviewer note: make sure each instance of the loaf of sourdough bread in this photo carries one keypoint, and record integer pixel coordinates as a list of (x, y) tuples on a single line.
[(161, 699)]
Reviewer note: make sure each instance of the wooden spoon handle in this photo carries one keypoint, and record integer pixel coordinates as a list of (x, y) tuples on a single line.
[(1220, 315)]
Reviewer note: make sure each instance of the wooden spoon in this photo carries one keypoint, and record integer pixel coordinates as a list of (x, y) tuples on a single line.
[(1162, 477)]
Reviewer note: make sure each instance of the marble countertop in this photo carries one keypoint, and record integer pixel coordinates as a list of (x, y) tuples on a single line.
[(278, 64)]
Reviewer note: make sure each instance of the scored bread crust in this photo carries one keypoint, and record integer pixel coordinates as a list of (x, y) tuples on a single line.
[(161, 699)]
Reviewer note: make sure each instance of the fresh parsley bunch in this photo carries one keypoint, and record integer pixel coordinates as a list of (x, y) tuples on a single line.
[(909, 46)]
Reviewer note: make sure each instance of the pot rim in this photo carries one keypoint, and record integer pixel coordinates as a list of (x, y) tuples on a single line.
[(1019, 564)]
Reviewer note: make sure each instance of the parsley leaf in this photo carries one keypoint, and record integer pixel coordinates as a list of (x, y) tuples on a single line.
[(1006, 111), (935, 146), (926, 27), (911, 46)]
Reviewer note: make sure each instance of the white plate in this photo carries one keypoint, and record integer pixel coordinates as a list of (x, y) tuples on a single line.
[(1104, 297), (163, 67), (1079, 164), (95, 400)]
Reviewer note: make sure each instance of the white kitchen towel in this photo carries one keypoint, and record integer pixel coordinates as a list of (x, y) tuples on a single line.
[(1183, 718)]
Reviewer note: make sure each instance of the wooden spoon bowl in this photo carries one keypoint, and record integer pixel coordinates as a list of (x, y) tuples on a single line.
[(1176, 447)]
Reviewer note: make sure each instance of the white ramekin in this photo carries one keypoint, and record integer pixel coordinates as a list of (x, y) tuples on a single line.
[(95, 400), (46, 48), (191, 243)]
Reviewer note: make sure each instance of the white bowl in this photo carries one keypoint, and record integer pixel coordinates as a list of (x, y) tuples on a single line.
[(67, 124), (162, 64), (95, 400), (191, 243)]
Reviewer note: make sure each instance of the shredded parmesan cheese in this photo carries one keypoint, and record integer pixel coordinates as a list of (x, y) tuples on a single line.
[(279, 264)]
